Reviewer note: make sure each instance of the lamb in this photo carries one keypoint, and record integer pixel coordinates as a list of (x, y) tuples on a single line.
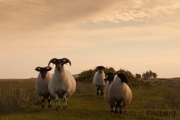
[(119, 94), (98, 79), (41, 85), (63, 84)]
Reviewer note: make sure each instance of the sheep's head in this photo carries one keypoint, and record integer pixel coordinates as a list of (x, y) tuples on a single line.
[(59, 62), (109, 77), (100, 68), (123, 77), (43, 70)]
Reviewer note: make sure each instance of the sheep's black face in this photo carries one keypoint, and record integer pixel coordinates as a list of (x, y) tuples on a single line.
[(59, 64), (123, 77), (43, 71), (109, 77), (100, 68)]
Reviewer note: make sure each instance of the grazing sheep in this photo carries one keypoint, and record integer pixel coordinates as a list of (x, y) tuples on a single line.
[(63, 84), (41, 86), (119, 94), (98, 79)]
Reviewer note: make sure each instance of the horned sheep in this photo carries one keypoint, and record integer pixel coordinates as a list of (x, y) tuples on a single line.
[(63, 84)]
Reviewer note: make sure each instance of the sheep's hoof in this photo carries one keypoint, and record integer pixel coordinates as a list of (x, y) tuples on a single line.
[(65, 107), (42, 106), (120, 111), (49, 106), (97, 93), (57, 108), (102, 93)]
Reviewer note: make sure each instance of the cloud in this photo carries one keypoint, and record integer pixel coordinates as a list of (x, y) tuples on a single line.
[(30, 17), (32, 14), (141, 11)]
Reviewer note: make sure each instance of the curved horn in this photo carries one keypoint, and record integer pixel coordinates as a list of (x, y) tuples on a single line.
[(52, 61), (65, 60)]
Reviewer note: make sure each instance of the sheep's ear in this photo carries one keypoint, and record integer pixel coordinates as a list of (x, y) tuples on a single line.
[(103, 67), (123, 77), (125, 80), (52, 61), (97, 68), (49, 68), (65, 60), (38, 69)]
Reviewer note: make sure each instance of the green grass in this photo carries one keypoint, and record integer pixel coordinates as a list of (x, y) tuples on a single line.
[(85, 104)]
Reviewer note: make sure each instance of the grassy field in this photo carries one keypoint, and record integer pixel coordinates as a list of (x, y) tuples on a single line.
[(158, 101)]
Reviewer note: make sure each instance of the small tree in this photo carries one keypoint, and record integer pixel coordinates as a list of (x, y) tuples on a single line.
[(138, 76), (144, 75), (154, 75), (149, 74), (110, 69)]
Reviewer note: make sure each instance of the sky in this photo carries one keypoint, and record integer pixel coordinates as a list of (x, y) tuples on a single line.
[(135, 35)]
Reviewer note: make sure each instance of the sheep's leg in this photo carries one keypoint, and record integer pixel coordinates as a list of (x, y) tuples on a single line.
[(102, 91), (125, 112), (113, 108), (121, 105), (49, 101), (42, 101), (97, 90), (65, 101), (116, 107), (57, 102)]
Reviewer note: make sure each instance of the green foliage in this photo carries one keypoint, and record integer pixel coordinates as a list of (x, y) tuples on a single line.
[(110, 69), (149, 74), (86, 76), (138, 76)]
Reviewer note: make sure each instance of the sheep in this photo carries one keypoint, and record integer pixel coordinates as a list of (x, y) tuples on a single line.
[(63, 84), (108, 80), (41, 85), (98, 79), (119, 95)]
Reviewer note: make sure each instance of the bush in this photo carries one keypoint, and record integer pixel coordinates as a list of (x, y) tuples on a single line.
[(87, 76)]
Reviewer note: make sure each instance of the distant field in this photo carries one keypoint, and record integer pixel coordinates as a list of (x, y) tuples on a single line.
[(160, 101)]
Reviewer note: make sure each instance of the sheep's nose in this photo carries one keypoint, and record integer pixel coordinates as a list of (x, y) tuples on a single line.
[(43, 76), (59, 67)]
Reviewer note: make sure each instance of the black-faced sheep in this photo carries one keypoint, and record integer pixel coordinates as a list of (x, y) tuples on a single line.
[(63, 84), (98, 79), (42, 82), (119, 94)]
